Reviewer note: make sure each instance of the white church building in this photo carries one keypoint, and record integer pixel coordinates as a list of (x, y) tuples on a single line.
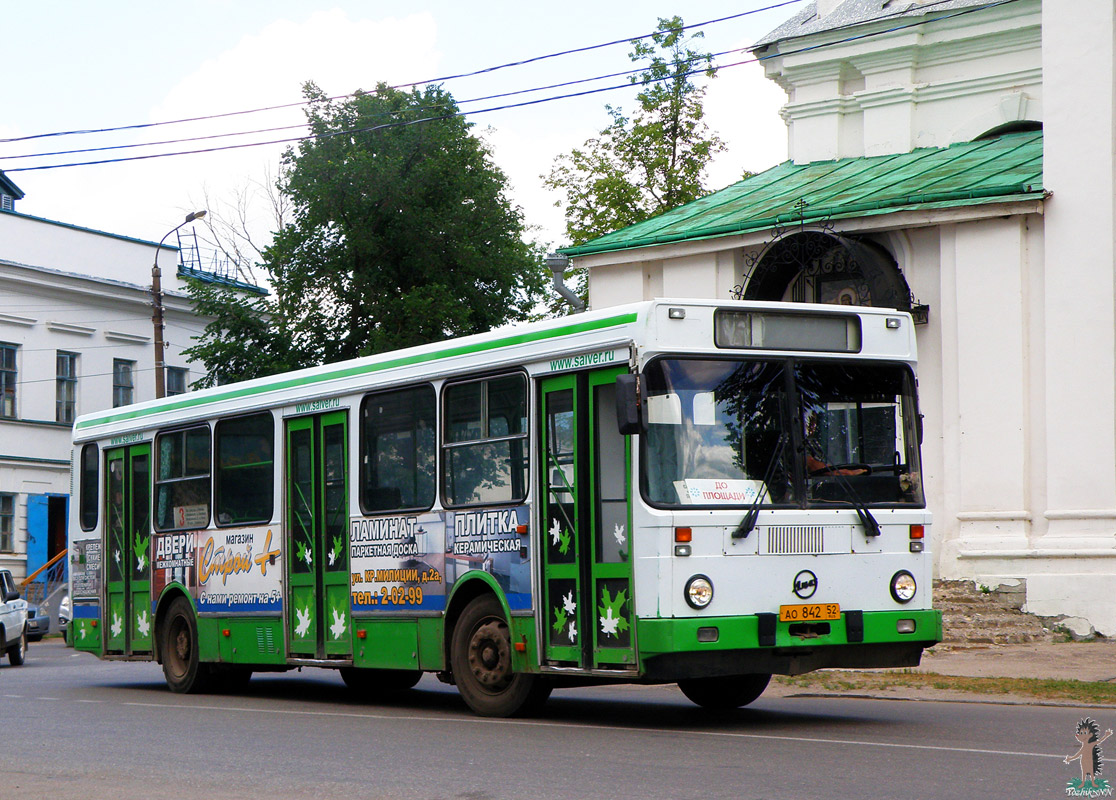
[(956, 159)]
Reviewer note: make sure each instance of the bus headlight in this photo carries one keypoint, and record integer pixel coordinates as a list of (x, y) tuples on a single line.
[(699, 591), (903, 586)]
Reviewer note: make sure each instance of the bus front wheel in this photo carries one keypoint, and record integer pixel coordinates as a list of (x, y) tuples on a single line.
[(182, 669), (724, 694), (480, 656)]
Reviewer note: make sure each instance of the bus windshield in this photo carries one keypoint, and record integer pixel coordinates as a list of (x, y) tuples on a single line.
[(792, 433)]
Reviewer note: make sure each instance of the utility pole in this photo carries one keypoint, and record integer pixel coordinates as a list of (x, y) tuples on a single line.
[(157, 308)]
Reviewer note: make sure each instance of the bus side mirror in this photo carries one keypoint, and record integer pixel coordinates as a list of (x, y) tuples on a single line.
[(629, 405)]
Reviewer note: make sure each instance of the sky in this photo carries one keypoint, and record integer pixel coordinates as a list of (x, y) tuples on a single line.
[(75, 65)]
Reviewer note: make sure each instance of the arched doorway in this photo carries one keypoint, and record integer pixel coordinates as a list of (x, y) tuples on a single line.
[(822, 267)]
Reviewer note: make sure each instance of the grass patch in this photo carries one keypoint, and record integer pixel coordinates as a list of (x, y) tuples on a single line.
[(1083, 692)]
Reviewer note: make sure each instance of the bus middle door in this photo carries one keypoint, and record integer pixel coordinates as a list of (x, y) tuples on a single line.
[(128, 618), (319, 620), (587, 586)]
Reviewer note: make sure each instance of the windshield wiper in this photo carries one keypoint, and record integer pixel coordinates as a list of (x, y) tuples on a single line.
[(749, 522), (871, 527)]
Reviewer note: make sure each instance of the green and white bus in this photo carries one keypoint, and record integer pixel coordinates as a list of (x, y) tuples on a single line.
[(685, 491)]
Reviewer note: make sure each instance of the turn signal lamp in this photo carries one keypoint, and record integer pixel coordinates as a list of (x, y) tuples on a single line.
[(683, 535), (362, 634), (226, 633), (917, 532)]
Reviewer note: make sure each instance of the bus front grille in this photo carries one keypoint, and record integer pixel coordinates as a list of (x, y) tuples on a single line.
[(792, 540)]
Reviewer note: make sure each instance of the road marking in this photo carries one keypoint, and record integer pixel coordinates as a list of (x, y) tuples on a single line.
[(605, 728)]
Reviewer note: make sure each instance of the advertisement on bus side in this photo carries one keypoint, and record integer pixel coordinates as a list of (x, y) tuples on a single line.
[(235, 571), (402, 563)]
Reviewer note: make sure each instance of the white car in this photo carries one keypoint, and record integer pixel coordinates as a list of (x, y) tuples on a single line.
[(13, 620)]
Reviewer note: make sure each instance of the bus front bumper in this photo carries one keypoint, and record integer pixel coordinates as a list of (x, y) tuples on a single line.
[(674, 649)]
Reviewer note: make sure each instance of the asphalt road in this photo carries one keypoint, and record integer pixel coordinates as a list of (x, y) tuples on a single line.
[(72, 726)]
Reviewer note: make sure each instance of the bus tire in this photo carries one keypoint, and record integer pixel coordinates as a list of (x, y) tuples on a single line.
[(725, 693), (17, 653), (480, 657), (379, 683), (182, 669)]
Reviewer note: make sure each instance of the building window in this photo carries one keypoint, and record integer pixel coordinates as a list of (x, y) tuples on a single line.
[(122, 382), (65, 401), (176, 380), (7, 523), (8, 380)]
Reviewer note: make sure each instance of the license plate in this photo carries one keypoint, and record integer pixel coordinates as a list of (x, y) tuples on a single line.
[(810, 612)]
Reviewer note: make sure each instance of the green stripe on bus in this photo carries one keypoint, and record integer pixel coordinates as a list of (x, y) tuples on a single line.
[(364, 369)]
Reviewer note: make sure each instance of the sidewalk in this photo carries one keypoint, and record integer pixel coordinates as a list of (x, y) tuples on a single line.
[(1082, 661), (1092, 664)]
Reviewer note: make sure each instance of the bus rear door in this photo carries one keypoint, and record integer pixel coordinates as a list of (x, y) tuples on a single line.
[(128, 621)]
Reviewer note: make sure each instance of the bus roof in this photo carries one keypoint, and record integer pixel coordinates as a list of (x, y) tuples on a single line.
[(514, 345)]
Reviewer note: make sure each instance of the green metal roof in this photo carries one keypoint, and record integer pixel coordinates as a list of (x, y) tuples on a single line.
[(1004, 169)]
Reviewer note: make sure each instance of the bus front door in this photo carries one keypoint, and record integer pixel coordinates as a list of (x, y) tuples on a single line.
[(319, 620), (586, 506), (128, 616)]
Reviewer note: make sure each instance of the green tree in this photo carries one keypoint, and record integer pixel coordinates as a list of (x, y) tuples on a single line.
[(654, 161), (400, 232)]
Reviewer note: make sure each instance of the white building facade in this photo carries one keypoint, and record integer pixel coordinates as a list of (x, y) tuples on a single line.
[(964, 152), (76, 335)]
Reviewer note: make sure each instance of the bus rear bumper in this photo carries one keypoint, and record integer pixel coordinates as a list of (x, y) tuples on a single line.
[(674, 649)]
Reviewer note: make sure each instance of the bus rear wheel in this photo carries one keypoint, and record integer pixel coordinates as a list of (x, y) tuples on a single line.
[(183, 671), (480, 656), (725, 693)]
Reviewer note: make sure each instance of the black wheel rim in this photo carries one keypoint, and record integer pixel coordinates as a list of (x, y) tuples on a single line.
[(178, 655), (490, 656)]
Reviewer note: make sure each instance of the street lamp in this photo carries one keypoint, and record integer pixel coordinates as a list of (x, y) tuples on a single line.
[(157, 307)]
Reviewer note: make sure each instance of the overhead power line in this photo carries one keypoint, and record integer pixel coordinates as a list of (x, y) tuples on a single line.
[(460, 113), (483, 71), (498, 96)]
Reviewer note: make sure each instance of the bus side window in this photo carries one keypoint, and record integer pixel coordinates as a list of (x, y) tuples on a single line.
[(484, 441), (182, 479), (244, 469), (397, 447), (88, 476)]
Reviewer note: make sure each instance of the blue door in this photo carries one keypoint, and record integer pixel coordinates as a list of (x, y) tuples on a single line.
[(38, 531)]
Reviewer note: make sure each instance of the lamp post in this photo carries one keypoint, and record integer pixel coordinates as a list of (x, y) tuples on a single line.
[(157, 307)]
